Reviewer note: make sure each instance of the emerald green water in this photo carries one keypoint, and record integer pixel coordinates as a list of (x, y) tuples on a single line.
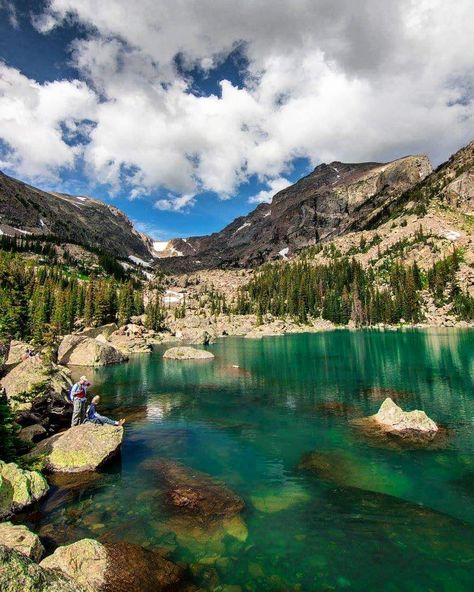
[(405, 519)]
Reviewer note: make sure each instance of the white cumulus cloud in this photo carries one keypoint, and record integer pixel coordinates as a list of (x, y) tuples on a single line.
[(274, 186), (324, 79)]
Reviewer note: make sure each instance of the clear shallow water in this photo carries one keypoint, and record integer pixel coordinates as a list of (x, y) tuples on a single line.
[(403, 520)]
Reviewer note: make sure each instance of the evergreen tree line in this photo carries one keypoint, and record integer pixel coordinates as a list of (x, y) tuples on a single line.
[(343, 290), (33, 297)]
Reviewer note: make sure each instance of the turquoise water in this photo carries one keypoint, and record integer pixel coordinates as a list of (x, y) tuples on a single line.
[(378, 519)]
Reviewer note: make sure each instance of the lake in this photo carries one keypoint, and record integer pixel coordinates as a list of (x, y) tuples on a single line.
[(376, 516)]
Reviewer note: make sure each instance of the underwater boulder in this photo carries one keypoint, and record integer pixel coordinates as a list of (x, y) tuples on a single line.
[(193, 492)]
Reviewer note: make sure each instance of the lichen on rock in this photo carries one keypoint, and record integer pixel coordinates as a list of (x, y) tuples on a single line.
[(20, 538), (19, 488)]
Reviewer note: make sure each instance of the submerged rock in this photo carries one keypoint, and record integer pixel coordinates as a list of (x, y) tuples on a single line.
[(80, 350), (19, 488), (18, 572), (18, 537), (342, 469), (81, 448), (187, 353), (114, 567), (335, 409), (280, 499), (193, 492)]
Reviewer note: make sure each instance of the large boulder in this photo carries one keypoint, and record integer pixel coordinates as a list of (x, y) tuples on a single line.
[(19, 488), (392, 417), (193, 492), (196, 335), (79, 350), (187, 353), (18, 537), (131, 339), (81, 448), (32, 433), (33, 378), (114, 567), (16, 351), (104, 330), (18, 572), (391, 427)]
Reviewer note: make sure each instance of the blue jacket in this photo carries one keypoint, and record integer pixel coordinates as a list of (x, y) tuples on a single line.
[(94, 417)]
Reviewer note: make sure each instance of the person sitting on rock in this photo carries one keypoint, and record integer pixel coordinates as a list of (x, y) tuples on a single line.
[(95, 417), (78, 397)]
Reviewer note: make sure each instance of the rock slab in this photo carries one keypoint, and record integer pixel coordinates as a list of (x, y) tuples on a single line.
[(18, 537), (19, 488), (81, 448), (187, 353)]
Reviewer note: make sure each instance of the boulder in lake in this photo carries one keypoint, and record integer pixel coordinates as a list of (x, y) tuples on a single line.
[(187, 353), (18, 572), (81, 448), (392, 418), (19, 488), (114, 567), (193, 492), (20, 538), (80, 350)]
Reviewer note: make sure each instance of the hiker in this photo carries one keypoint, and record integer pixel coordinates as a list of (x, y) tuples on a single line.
[(78, 396), (95, 417)]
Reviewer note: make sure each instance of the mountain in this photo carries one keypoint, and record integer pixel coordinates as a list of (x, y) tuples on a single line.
[(333, 200), (26, 210)]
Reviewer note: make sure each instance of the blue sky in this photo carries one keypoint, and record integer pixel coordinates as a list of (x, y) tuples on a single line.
[(186, 115)]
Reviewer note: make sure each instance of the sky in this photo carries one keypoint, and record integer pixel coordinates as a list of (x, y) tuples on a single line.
[(187, 114)]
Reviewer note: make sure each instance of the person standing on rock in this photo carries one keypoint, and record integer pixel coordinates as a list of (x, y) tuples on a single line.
[(79, 399), (95, 417)]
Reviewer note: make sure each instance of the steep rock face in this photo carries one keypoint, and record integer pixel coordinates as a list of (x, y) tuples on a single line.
[(334, 199), (84, 220), (85, 447)]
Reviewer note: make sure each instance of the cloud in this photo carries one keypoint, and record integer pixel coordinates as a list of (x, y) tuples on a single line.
[(37, 119), (176, 204), (325, 79), (274, 186), (9, 8)]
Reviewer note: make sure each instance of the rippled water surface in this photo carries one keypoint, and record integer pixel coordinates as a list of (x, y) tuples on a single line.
[(375, 518)]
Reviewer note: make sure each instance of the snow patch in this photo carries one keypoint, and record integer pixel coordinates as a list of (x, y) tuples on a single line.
[(269, 213), (160, 246), (452, 235), (81, 198), (42, 224), (176, 252), (242, 227), (284, 252), (139, 261), (22, 231)]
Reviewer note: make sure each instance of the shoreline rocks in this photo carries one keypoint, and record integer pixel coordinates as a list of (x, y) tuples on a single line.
[(19, 488), (20, 538), (81, 448), (18, 572), (187, 353), (80, 350), (114, 567)]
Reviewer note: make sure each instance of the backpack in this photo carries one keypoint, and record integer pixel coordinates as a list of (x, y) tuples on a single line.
[(71, 395)]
